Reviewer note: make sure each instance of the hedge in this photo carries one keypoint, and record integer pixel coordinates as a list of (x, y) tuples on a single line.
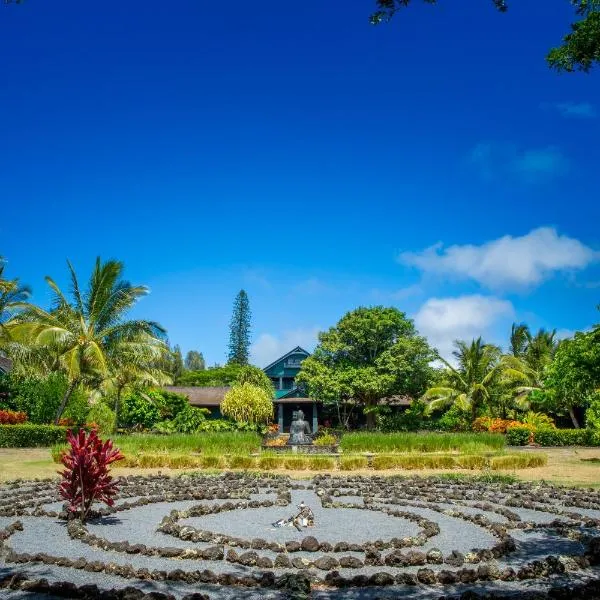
[(29, 435), (519, 436)]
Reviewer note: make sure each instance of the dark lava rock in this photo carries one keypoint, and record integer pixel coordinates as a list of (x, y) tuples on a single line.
[(283, 562), (248, 559), (467, 575), (258, 544), (297, 585), (264, 562), (325, 547), (435, 557), (232, 555), (292, 546), (341, 547), (360, 581), (488, 572), (416, 558), (446, 577), (310, 544), (455, 559), (508, 574), (350, 562), (300, 563), (407, 579), (326, 563), (395, 559), (195, 596), (381, 578), (213, 553), (426, 576)]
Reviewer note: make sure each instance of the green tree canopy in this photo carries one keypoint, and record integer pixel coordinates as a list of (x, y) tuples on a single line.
[(88, 331), (211, 377), (12, 297), (371, 353), (580, 49), (255, 376), (247, 403), (574, 375), (239, 330), (194, 361)]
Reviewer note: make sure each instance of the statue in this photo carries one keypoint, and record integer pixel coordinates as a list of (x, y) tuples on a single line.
[(304, 518), (299, 430)]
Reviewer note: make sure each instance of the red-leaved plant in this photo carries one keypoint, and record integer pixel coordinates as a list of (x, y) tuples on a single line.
[(86, 477)]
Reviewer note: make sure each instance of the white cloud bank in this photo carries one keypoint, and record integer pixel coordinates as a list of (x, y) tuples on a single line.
[(507, 261), (269, 347), (443, 320)]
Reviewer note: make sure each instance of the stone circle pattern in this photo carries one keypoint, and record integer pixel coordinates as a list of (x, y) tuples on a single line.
[(196, 536)]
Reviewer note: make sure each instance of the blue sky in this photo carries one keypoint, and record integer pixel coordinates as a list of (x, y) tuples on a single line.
[(434, 164)]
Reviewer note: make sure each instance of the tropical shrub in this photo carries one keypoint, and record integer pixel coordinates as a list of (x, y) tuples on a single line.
[(212, 377), (519, 435), (189, 420), (564, 437), (257, 377), (247, 403), (86, 477), (102, 418), (413, 418), (39, 398), (11, 417), (29, 435), (493, 425), (592, 419), (538, 421), (139, 410), (78, 407), (454, 419), (169, 404), (326, 439)]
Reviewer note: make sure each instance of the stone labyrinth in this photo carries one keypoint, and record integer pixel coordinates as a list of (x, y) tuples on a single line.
[(211, 536)]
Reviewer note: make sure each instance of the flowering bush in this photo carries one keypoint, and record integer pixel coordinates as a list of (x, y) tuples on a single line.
[(86, 478), (494, 425), (11, 417)]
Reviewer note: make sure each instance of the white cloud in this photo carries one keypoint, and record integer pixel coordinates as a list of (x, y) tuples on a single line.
[(573, 110), (501, 160), (507, 261), (398, 295), (269, 347), (443, 320)]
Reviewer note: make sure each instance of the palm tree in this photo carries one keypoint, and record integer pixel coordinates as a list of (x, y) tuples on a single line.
[(519, 339), (90, 334), (12, 297), (135, 362), (470, 384)]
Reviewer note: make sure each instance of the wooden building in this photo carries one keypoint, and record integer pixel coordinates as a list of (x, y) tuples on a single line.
[(289, 397)]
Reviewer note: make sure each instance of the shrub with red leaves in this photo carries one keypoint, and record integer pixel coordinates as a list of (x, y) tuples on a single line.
[(11, 417), (86, 476)]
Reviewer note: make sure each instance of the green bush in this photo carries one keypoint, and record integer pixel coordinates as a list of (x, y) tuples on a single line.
[(39, 398), (327, 439), (138, 410), (77, 408), (412, 419), (188, 420), (453, 419), (564, 437), (103, 417), (30, 435), (517, 436)]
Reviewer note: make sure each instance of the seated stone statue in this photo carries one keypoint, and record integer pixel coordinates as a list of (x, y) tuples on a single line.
[(299, 430)]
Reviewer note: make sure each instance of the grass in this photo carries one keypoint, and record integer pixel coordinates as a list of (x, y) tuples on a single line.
[(468, 443), (518, 461)]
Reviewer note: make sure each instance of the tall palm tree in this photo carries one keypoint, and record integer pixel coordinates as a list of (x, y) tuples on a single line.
[(12, 297), (89, 332), (472, 382), (519, 339), (135, 362)]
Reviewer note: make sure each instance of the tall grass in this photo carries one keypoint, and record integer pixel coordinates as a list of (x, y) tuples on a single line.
[(468, 443), (222, 442)]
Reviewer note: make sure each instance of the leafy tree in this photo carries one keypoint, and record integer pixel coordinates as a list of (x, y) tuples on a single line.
[(519, 339), (371, 353), (86, 331), (573, 377), (194, 361), (471, 384), (12, 297), (239, 330), (178, 366), (255, 376), (248, 403), (212, 377), (580, 49)]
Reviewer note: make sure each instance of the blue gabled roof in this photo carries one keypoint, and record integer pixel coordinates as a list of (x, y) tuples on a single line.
[(296, 350)]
